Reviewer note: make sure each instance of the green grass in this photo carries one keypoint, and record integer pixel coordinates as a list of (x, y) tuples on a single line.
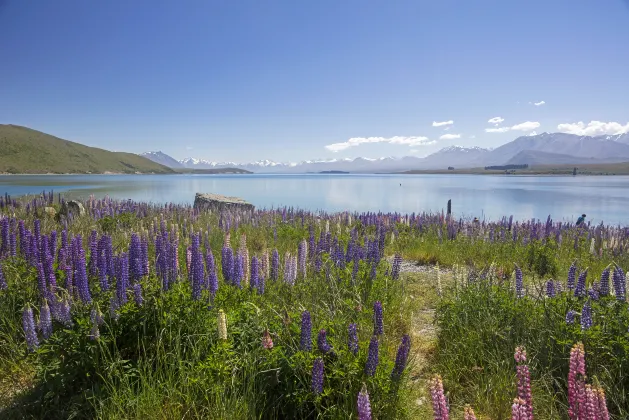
[(27, 151)]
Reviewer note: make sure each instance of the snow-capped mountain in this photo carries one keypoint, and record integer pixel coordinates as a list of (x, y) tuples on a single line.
[(545, 148)]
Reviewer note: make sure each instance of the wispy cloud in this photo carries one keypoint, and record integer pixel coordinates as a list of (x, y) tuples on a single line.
[(402, 140), (540, 103), (525, 126), (450, 137), (495, 120), (594, 128), (442, 123)]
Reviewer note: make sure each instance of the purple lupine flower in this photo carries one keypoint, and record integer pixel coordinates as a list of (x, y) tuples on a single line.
[(401, 357), (593, 293), (604, 289), (302, 250), (579, 291), (209, 262), (28, 323), (227, 264), (196, 272), (397, 264), (550, 289), (586, 316), (572, 273), (96, 316), (65, 313), (317, 376), (135, 258), (145, 257), (93, 247), (372, 357), (363, 405), (261, 279), (3, 281), (322, 342), (275, 265), (288, 269), (137, 294), (122, 278), (80, 276), (253, 281), (519, 292), (618, 278), (352, 340), (238, 273), (102, 265), (378, 324), (570, 317), (45, 320), (306, 331)]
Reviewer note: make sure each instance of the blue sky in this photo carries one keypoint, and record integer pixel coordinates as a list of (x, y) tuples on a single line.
[(281, 80)]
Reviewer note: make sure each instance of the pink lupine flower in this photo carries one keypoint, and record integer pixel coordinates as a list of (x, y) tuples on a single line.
[(518, 410), (439, 405), (524, 381), (603, 414), (469, 413), (591, 403), (576, 382)]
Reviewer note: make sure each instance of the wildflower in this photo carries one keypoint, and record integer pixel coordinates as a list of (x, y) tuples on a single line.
[(378, 327), (363, 404), (302, 250), (576, 381), (469, 413), (524, 381), (572, 273), (518, 410), (604, 289), (137, 294), (28, 323), (94, 332), (518, 282), (275, 265), (3, 281), (593, 293), (322, 342), (45, 321), (570, 317), (618, 279), (603, 414), (222, 325), (439, 405), (317, 376), (65, 315), (372, 357), (227, 263), (580, 289), (267, 342), (401, 357), (550, 289), (253, 282), (306, 331), (586, 316), (352, 341)]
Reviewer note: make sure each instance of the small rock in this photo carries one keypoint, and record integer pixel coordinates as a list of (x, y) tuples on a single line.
[(72, 206), (50, 211), (220, 202)]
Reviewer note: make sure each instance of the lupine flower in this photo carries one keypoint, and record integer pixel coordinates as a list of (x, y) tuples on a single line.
[(372, 357), (439, 405), (352, 341), (586, 316), (579, 291), (137, 294), (306, 331), (518, 410), (114, 305), (96, 316), (275, 265), (397, 264), (317, 376), (322, 342), (222, 325), (302, 250), (570, 317), (576, 381), (363, 405), (604, 289), (28, 323), (45, 320), (80, 276), (572, 273), (469, 413), (94, 332), (618, 279), (524, 381), (378, 324), (603, 414), (227, 264), (593, 293), (3, 281), (267, 342), (519, 293), (402, 357), (65, 313), (550, 289), (254, 273)]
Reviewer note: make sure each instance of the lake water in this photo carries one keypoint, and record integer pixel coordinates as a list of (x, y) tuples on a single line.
[(524, 197)]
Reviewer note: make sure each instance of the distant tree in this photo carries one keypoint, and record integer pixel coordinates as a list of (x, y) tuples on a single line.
[(450, 168), (574, 171)]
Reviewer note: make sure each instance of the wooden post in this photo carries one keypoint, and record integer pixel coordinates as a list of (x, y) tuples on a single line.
[(449, 207)]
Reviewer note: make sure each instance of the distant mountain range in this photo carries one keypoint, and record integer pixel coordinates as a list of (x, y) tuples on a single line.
[(541, 149)]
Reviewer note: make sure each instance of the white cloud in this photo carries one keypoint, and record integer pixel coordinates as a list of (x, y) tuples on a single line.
[(450, 137), (594, 128), (441, 124), (357, 141), (447, 128), (495, 120), (540, 103), (525, 126)]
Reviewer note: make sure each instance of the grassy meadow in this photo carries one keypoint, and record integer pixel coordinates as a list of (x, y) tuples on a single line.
[(135, 311)]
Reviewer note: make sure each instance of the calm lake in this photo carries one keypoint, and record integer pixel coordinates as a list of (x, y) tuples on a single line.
[(491, 197)]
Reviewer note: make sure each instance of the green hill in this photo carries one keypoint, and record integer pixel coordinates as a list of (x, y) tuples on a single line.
[(26, 151)]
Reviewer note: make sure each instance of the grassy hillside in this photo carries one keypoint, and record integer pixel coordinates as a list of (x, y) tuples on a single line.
[(26, 151)]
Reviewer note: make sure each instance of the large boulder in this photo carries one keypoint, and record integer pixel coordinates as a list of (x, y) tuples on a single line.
[(216, 202), (72, 206)]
